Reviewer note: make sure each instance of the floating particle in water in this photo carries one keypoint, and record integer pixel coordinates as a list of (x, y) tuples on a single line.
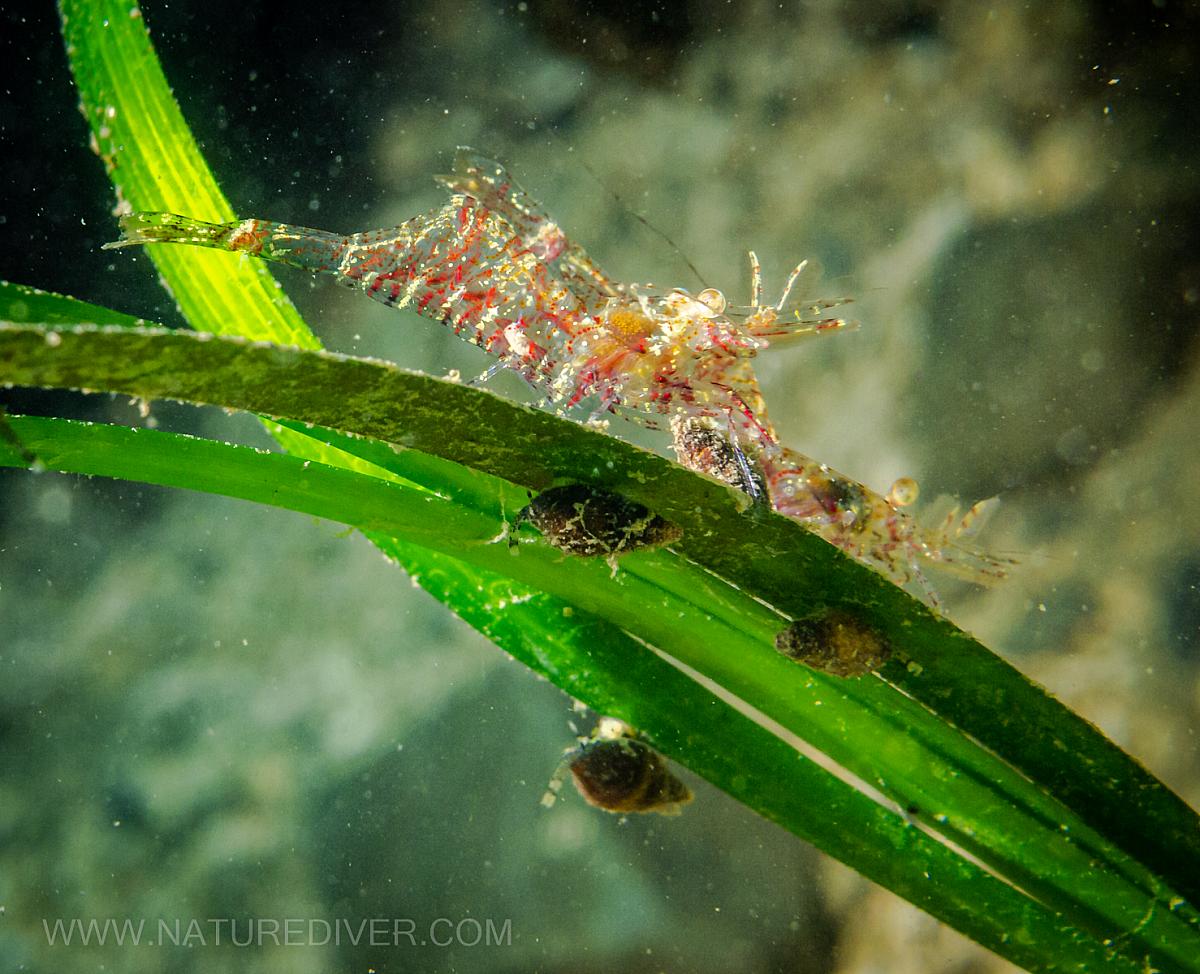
[(835, 641)]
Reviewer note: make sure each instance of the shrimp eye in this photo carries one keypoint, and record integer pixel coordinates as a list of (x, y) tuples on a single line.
[(903, 492), (712, 299), (835, 641)]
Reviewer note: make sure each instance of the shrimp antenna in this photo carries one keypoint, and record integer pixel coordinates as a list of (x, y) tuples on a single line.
[(661, 234)]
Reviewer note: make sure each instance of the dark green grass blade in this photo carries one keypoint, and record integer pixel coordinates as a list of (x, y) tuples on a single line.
[(537, 449), (155, 165), (30, 306), (603, 667), (865, 726)]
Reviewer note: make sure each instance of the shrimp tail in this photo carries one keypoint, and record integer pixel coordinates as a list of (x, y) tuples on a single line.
[(310, 250), (144, 228)]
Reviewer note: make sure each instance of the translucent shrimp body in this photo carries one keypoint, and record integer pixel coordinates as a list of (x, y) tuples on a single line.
[(462, 265), (873, 528), (492, 266)]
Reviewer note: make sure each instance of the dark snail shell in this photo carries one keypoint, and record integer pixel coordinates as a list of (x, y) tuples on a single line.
[(624, 774), (702, 446), (591, 521), (835, 641)]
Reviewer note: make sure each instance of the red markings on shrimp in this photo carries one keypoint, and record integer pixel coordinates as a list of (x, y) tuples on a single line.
[(493, 266), (247, 237)]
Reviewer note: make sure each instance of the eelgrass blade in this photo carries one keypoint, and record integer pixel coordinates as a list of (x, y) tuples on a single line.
[(600, 665), (895, 745)]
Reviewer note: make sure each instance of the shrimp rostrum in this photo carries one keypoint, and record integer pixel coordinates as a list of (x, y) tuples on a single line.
[(496, 269)]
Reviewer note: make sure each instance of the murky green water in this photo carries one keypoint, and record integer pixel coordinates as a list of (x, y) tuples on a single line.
[(213, 712)]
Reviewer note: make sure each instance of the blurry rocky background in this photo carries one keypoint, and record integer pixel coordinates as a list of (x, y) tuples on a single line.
[(212, 710)]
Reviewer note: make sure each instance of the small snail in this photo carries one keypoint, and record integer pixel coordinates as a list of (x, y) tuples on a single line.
[(835, 641), (702, 446), (591, 521), (617, 772)]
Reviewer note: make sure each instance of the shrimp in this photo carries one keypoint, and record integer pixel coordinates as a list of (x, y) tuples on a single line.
[(497, 270), (874, 529), (870, 527)]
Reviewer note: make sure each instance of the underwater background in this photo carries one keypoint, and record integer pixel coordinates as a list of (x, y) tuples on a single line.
[(213, 710)]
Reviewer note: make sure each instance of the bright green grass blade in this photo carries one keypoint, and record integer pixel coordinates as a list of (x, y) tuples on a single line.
[(600, 665), (154, 164)]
